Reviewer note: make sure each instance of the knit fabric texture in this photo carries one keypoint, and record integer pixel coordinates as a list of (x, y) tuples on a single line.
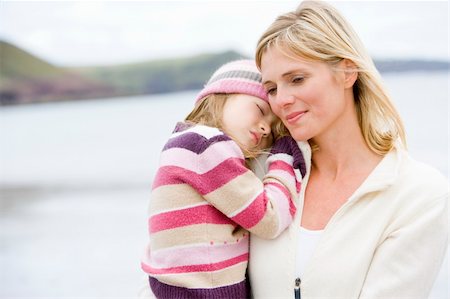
[(240, 77), (203, 203), (165, 291)]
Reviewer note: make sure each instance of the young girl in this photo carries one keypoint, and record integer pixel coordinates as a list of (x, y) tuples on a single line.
[(204, 198)]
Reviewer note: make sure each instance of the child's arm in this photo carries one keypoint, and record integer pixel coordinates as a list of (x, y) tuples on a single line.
[(264, 208)]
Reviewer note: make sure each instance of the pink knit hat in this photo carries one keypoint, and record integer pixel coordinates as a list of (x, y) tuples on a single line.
[(240, 76)]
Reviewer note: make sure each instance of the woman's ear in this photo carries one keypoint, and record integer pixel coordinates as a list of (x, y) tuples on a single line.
[(351, 73)]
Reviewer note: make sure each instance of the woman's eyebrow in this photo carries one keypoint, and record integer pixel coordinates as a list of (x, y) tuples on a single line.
[(286, 74)]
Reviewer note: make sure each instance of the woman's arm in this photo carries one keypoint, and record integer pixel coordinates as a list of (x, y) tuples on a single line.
[(406, 264)]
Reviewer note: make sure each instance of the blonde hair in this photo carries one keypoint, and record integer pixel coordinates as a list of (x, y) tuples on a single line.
[(209, 111), (316, 31)]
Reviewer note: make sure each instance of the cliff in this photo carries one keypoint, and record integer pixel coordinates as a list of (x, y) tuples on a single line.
[(25, 78)]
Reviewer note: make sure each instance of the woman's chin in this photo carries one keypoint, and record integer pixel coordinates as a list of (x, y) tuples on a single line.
[(299, 136)]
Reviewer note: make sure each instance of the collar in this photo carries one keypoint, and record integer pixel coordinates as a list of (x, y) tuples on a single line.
[(383, 175)]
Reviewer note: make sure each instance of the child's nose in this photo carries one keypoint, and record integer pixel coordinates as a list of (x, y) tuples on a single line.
[(265, 128)]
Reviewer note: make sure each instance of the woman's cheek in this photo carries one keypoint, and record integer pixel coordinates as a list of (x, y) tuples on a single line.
[(275, 109)]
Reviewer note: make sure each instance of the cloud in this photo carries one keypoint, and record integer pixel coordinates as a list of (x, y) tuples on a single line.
[(105, 32)]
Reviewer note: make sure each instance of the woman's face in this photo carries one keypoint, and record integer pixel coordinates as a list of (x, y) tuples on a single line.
[(307, 96), (248, 120)]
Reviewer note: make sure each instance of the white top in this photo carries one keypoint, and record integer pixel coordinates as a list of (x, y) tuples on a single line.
[(307, 241), (390, 236)]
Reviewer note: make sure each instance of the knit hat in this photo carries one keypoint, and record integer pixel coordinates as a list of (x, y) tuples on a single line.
[(239, 76)]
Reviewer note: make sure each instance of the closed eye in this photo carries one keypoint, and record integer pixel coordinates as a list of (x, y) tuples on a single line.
[(260, 109)]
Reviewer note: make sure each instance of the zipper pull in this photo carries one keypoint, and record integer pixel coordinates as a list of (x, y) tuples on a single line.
[(297, 293)]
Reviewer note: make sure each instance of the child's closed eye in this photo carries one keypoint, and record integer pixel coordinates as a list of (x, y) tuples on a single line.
[(260, 109)]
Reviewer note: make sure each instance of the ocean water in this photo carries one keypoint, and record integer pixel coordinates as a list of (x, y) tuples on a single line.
[(75, 180)]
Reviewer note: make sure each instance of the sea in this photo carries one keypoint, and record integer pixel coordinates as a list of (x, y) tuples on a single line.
[(75, 181)]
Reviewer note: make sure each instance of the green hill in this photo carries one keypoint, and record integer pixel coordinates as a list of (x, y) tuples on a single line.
[(25, 78), (15, 63), (160, 76)]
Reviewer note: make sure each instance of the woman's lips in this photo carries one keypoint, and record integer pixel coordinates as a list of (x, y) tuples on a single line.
[(293, 117)]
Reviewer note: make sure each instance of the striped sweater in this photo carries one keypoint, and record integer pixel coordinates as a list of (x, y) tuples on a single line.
[(204, 201)]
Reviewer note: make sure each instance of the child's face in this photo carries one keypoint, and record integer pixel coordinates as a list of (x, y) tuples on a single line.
[(248, 120)]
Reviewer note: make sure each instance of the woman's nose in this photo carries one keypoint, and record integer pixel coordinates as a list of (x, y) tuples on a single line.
[(284, 97)]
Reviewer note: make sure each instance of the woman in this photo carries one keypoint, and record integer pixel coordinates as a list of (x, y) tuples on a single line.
[(371, 222)]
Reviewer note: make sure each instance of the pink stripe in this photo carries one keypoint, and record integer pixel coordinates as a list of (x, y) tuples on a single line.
[(283, 200), (233, 86), (209, 159), (282, 188), (196, 268), (180, 157), (282, 165), (199, 254), (166, 176), (203, 183), (253, 214), (283, 176), (298, 186), (292, 208), (190, 216)]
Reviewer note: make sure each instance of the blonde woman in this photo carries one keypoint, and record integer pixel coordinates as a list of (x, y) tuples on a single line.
[(371, 222)]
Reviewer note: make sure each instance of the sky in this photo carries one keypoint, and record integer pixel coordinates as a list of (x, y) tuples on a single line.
[(87, 33)]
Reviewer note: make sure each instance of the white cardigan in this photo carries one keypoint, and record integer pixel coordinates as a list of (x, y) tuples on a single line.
[(387, 241)]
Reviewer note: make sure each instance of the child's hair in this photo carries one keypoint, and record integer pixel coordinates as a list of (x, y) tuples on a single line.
[(208, 111)]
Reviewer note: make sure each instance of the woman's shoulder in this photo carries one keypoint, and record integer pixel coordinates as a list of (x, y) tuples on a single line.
[(421, 177), (418, 191)]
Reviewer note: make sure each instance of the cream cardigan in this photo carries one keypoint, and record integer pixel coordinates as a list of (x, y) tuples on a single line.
[(387, 241)]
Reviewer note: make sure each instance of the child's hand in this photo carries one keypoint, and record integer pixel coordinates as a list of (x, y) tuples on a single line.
[(287, 145)]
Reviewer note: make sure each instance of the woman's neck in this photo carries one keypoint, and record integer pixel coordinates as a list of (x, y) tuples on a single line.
[(343, 151)]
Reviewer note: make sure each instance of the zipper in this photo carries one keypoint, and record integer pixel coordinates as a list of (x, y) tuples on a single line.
[(300, 204), (297, 292)]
